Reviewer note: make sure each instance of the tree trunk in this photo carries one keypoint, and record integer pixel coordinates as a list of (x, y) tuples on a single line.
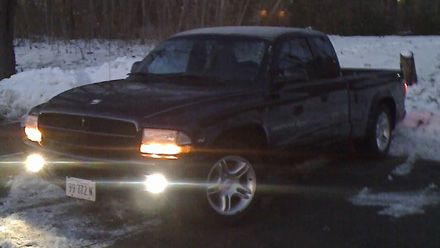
[(145, 25), (182, 14), (7, 55), (92, 20), (202, 21), (242, 13)]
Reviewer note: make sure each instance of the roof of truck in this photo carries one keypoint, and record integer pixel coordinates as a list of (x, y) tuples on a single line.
[(264, 32)]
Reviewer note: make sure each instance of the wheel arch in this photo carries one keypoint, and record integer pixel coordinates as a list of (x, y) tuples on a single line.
[(387, 100), (391, 105)]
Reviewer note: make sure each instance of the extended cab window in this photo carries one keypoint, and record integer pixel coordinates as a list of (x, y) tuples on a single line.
[(325, 59), (294, 59)]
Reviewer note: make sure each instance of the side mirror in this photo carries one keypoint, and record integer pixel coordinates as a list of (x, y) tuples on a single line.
[(297, 73), (135, 66), (291, 74)]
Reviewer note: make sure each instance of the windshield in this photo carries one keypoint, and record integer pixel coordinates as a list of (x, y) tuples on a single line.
[(235, 60)]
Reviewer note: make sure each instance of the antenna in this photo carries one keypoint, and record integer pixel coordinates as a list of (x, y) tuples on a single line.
[(109, 42), (109, 59)]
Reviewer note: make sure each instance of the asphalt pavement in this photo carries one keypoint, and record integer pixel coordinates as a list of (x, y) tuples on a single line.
[(311, 209), (10, 135), (308, 206), (10, 148)]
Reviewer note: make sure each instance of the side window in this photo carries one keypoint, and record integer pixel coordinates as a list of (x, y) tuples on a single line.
[(294, 58), (325, 59), (249, 52)]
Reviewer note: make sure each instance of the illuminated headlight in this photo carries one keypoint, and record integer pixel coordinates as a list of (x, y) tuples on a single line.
[(34, 163), (164, 143), (156, 183), (31, 128)]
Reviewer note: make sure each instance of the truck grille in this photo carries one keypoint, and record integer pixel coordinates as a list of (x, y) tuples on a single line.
[(85, 135)]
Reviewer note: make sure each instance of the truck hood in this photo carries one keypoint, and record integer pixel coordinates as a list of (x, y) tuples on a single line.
[(131, 100)]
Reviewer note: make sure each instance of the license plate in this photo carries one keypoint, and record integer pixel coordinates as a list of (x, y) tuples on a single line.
[(80, 188)]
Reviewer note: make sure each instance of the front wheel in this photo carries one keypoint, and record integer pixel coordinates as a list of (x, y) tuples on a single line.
[(228, 185), (231, 185)]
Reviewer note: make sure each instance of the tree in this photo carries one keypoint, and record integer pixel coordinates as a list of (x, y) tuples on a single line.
[(7, 55)]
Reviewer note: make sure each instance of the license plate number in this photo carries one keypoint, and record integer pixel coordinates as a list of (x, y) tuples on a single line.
[(80, 188)]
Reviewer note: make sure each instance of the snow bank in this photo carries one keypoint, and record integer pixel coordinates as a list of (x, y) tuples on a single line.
[(27, 89), (24, 90), (47, 70)]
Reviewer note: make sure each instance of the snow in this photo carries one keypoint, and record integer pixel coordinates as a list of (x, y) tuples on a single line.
[(417, 135), (407, 54), (398, 204), (37, 213), (47, 70), (405, 168)]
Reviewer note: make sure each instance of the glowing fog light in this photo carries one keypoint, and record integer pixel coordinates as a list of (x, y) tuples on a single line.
[(34, 163), (156, 183)]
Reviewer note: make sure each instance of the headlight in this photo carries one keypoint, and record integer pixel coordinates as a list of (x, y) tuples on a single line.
[(31, 128), (159, 143)]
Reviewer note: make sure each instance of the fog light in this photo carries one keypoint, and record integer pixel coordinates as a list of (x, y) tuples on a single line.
[(156, 183), (34, 163)]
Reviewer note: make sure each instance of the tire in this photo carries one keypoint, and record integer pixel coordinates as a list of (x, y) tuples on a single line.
[(377, 140), (231, 185)]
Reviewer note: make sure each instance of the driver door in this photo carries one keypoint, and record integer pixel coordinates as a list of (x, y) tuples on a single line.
[(293, 115)]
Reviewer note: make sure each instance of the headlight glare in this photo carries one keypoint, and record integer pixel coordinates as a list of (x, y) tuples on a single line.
[(155, 183), (34, 163)]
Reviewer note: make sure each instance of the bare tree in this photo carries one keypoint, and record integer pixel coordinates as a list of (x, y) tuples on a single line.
[(7, 55)]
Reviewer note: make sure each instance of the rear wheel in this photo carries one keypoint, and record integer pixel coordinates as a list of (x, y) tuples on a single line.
[(378, 138)]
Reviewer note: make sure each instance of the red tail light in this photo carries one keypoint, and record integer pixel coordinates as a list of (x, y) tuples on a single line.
[(405, 86)]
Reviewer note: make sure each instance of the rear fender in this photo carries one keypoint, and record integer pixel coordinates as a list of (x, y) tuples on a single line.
[(386, 98)]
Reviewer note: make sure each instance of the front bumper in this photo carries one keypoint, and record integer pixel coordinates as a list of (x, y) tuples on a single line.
[(117, 175)]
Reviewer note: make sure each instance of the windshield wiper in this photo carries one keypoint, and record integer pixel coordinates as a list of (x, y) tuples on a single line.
[(146, 75), (198, 79)]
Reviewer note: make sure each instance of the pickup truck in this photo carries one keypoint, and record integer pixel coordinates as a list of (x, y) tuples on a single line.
[(201, 113)]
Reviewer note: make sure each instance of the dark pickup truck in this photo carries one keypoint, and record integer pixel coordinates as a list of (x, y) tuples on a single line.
[(203, 109)]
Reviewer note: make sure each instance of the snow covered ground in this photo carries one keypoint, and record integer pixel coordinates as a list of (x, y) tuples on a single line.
[(42, 220), (38, 214), (418, 135)]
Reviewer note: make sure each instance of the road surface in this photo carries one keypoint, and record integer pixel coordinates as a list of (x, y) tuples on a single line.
[(312, 205)]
